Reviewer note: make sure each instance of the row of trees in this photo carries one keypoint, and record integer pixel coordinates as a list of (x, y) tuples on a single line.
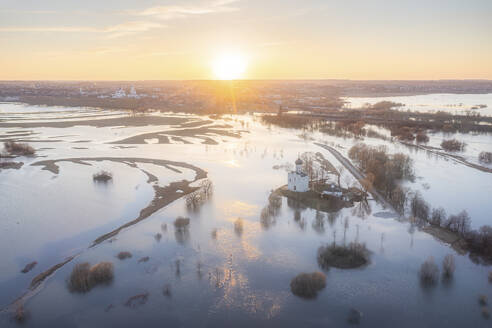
[(485, 157), (383, 171), (453, 145), (478, 242), (459, 223)]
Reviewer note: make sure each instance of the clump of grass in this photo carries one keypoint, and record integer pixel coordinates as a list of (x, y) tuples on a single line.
[(197, 198), (214, 234), (343, 257), (429, 272), (354, 316), (20, 314), (143, 259), (79, 278), (238, 226), (101, 273), (181, 223), (448, 266), (137, 300), (158, 237), (307, 285), (166, 291), (485, 312), (102, 176), (485, 157), (19, 149), (124, 255), (29, 267), (84, 277), (11, 165), (483, 300)]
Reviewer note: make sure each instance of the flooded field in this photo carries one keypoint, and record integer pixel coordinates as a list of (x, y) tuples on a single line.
[(230, 262), (452, 103)]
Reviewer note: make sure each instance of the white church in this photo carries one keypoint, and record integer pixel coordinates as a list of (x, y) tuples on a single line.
[(298, 180)]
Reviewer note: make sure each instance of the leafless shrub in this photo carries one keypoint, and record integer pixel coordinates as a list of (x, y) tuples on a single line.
[(137, 300), (238, 226), (101, 273), (453, 145), (158, 237), (422, 137), (214, 234), (207, 188), (448, 266), (124, 255), (485, 312), (482, 299), (19, 149), (485, 157), (181, 223), (79, 278), (84, 277), (343, 257), (102, 176), (429, 272), (307, 285), (166, 291), (197, 198), (354, 316), (490, 276)]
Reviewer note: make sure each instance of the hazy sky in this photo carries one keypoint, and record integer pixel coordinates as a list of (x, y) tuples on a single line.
[(171, 39)]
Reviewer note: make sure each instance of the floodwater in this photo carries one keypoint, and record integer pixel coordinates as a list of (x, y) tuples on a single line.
[(452, 103), (212, 274)]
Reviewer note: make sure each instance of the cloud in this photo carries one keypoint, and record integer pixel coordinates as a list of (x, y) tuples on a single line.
[(111, 31), (180, 11)]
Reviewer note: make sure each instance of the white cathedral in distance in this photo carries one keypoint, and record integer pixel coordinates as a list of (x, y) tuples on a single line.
[(298, 180)]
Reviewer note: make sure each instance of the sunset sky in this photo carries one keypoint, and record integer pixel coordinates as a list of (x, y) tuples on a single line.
[(276, 39)]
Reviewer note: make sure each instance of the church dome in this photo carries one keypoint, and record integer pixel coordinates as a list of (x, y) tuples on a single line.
[(298, 161)]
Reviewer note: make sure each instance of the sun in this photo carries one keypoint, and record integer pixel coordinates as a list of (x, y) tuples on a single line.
[(230, 66)]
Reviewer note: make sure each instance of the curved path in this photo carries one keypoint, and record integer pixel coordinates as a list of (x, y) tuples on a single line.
[(356, 173)]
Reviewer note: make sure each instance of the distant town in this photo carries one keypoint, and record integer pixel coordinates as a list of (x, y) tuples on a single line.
[(223, 96)]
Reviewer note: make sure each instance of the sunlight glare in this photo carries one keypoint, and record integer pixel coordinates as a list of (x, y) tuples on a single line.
[(229, 66)]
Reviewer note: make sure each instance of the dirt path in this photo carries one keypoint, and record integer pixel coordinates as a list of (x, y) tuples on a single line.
[(456, 158), (356, 173)]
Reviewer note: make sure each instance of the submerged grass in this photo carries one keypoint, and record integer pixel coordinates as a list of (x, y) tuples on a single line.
[(181, 222), (307, 285), (84, 277), (102, 176), (124, 255), (19, 149), (352, 256)]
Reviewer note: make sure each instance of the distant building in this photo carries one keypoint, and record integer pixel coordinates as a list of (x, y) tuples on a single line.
[(133, 93), (119, 94), (298, 180)]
